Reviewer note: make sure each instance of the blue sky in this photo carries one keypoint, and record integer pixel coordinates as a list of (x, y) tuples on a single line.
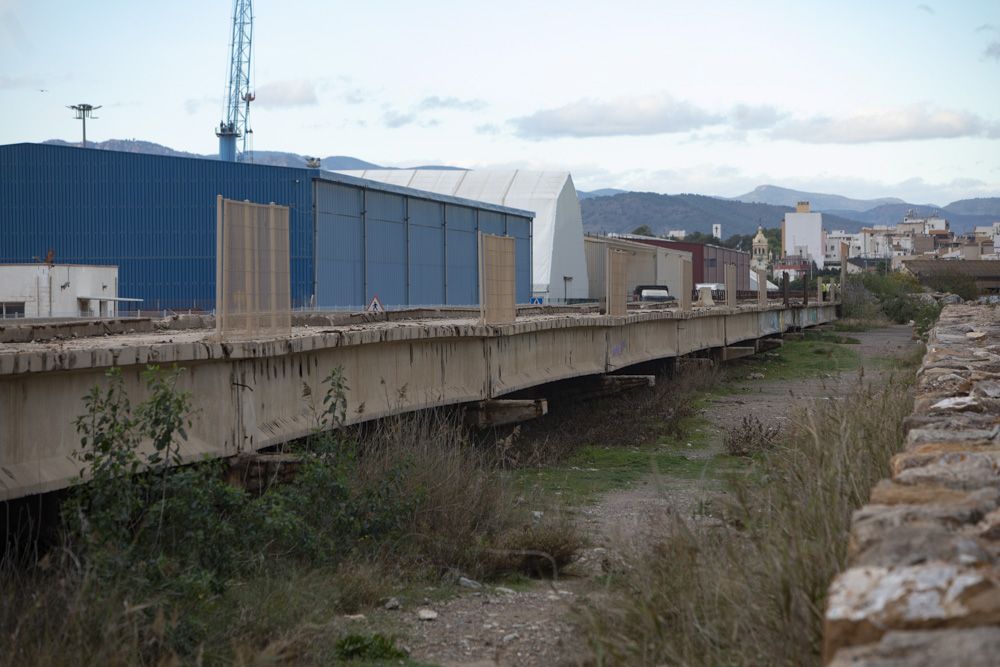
[(859, 98)]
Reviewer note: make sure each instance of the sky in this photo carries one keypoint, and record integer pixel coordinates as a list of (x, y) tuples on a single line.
[(860, 98)]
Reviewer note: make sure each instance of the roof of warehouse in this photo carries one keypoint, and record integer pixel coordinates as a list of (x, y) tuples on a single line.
[(320, 174)]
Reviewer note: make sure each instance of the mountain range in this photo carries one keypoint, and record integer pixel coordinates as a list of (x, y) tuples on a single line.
[(772, 194), (273, 158), (616, 210), (625, 211)]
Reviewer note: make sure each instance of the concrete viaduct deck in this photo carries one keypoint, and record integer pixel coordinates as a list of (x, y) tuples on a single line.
[(248, 394)]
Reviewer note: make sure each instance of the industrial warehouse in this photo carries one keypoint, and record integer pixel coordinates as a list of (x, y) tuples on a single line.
[(154, 217)]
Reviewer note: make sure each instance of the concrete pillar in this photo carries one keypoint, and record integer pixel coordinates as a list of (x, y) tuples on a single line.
[(687, 284), (731, 285), (762, 287), (845, 250), (784, 287), (819, 290)]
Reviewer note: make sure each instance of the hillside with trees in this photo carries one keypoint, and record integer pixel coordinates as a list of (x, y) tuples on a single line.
[(621, 213)]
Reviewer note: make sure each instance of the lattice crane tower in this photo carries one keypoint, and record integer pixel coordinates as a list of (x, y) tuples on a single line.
[(236, 121)]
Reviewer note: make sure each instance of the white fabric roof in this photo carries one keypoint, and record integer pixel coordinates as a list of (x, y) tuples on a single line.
[(557, 232), (753, 282)]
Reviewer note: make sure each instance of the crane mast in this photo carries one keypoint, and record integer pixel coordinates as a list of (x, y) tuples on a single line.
[(236, 122)]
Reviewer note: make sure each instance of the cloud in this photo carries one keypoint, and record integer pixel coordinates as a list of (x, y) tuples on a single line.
[(987, 27), (435, 102), (19, 82), (288, 93), (744, 117), (634, 116), (926, 8), (194, 104), (394, 119), (488, 128), (992, 51), (904, 124), (355, 96)]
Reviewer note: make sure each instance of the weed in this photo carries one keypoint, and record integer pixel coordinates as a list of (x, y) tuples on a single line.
[(750, 437), (368, 647)]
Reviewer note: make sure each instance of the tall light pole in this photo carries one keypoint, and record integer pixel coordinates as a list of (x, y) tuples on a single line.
[(83, 112)]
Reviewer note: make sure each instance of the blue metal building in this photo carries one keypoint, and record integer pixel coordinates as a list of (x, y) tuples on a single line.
[(154, 217)]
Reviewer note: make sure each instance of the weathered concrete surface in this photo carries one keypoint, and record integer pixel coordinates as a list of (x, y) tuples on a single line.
[(249, 393), (923, 586)]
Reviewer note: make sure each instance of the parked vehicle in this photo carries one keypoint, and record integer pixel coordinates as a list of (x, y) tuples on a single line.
[(652, 293)]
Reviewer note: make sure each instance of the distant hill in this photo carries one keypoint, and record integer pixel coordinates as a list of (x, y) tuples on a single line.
[(695, 213), (772, 194), (603, 192), (988, 206), (273, 158), (964, 215)]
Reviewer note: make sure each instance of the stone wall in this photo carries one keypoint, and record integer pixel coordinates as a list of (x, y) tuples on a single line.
[(923, 582)]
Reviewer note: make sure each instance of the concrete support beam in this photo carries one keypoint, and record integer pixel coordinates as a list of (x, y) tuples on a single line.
[(761, 287), (737, 352), (731, 285), (599, 386), (497, 412), (687, 284), (819, 290)]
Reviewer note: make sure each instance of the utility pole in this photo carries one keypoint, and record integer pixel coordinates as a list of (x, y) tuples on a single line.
[(83, 112)]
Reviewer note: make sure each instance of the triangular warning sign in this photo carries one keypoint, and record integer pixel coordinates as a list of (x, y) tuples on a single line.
[(375, 306)]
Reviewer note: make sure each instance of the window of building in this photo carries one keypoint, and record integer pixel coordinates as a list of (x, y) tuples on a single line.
[(711, 262), (11, 309)]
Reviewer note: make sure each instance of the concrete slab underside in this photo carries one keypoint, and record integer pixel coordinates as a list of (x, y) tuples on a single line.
[(248, 395)]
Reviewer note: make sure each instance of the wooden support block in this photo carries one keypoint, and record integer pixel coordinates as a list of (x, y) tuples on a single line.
[(496, 412), (690, 363), (736, 352), (765, 344)]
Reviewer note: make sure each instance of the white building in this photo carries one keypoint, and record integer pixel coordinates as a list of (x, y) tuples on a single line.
[(60, 290), (802, 234), (717, 231), (558, 264), (677, 234), (832, 243)]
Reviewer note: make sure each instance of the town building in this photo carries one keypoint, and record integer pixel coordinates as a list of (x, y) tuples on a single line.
[(802, 234), (60, 290), (645, 264)]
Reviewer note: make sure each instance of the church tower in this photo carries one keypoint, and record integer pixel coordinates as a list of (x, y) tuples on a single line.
[(760, 256)]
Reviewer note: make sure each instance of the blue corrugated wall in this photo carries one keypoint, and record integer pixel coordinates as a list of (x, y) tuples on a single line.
[(154, 217), (417, 251)]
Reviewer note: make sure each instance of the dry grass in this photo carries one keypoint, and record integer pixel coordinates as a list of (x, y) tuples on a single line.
[(752, 591), (459, 516)]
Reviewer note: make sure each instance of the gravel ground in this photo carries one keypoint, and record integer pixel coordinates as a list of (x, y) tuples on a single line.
[(532, 627)]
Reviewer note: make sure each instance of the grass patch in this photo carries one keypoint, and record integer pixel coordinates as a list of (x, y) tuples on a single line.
[(595, 470), (817, 355)]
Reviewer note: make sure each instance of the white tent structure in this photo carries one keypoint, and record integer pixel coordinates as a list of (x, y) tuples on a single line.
[(753, 282), (559, 268)]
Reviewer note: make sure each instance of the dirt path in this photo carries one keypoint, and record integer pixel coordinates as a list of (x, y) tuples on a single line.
[(497, 626)]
